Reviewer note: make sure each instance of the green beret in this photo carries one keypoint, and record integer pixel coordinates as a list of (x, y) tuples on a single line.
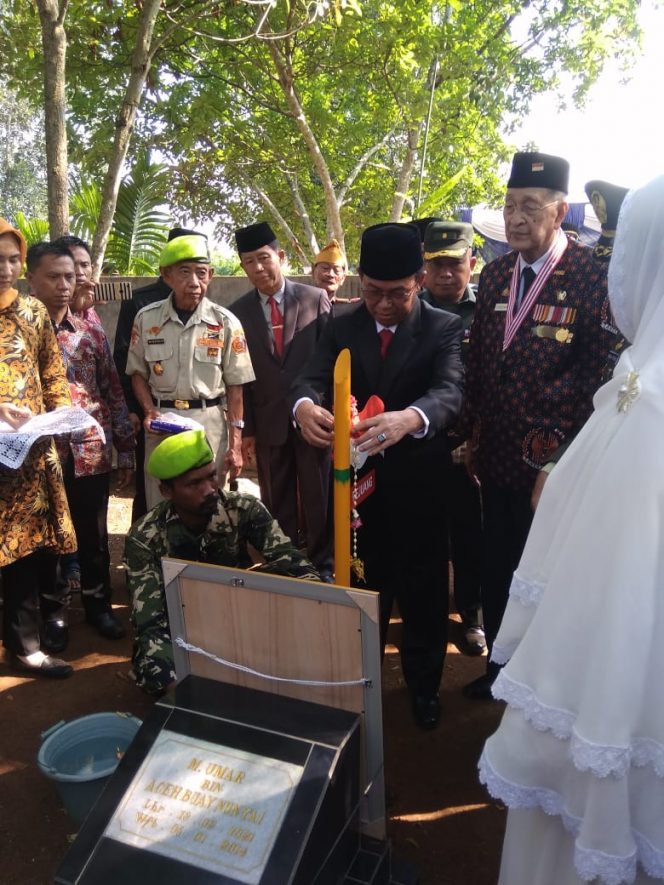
[(190, 248), (179, 453)]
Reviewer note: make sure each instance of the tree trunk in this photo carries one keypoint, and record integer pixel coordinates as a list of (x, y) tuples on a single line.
[(303, 214), (285, 74), (406, 172), (281, 221), (141, 60), (54, 44)]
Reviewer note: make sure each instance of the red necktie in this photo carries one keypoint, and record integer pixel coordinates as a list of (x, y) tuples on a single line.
[(277, 326), (386, 336)]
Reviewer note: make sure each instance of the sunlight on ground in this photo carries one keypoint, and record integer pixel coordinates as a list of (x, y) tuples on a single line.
[(97, 660), (9, 766), (428, 816)]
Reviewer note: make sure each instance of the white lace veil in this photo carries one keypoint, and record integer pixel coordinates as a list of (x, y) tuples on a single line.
[(636, 272)]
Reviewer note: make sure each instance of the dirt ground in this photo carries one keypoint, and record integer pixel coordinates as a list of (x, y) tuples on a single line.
[(440, 818)]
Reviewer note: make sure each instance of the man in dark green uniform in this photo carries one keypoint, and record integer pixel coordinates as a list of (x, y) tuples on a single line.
[(196, 522), (449, 263)]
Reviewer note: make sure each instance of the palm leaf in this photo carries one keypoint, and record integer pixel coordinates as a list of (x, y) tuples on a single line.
[(140, 226), (35, 230), (85, 206), (437, 198)]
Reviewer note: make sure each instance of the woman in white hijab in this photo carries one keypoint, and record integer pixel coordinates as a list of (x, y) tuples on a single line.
[(579, 754)]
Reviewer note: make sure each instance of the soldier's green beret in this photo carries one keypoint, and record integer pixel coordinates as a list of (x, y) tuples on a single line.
[(447, 239), (192, 247), (179, 453)]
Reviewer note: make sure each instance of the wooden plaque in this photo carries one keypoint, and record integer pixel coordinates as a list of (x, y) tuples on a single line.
[(288, 632)]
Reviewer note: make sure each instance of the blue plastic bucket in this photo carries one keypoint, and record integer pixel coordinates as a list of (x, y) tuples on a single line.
[(81, 755)]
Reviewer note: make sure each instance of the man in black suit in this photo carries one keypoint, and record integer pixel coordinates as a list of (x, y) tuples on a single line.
[(282, 321), (157, 291), (408, 354)]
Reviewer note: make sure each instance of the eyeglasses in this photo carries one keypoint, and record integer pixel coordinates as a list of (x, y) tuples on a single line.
[(391, 294), (529, 210), (336, 269)]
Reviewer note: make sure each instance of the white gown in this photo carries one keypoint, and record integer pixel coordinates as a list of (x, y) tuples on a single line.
[(579, 754)]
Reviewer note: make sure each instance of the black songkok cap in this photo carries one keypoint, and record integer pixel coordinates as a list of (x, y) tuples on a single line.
[(248, 239), (176, 232), (423, 223), (532, 169), (390, 251)]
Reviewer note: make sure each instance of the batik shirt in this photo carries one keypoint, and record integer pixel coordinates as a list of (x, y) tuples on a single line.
[(239, 520), (95, 386)]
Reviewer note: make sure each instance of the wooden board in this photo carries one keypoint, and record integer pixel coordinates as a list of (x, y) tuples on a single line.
[(283, 636)]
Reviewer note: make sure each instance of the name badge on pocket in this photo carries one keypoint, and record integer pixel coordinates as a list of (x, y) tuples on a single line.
[(501, 307)]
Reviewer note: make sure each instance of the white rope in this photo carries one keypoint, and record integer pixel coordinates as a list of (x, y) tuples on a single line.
[(206, 654)]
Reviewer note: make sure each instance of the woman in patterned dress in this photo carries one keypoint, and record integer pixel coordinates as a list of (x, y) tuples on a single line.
[(34, 517)]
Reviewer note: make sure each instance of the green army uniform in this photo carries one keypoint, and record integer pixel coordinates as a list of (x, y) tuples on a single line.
[(188, 367), (239, 520)]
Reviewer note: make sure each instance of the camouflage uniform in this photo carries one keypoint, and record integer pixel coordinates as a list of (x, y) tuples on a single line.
[(239, 520)]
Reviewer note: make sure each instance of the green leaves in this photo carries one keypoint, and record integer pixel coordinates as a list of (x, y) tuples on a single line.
[(140, 225), (35, 230)]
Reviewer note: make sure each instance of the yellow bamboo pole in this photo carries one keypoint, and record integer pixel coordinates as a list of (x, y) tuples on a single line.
[(342, 468)]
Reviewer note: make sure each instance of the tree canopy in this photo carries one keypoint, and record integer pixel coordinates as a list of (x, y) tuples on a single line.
[(316, 116)]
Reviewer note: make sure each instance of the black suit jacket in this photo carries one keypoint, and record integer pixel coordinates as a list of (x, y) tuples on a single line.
[(306, 309), (422, 368)]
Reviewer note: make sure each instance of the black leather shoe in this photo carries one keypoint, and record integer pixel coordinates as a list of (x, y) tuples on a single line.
[(51, 668), (56, 635), (480, 689), (426, 711), (106, 625)]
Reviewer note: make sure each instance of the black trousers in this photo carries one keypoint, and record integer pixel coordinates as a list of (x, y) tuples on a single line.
[(403, 544), (88, 503), (464, 516), (28, 585), (292, 473), (507, 516)]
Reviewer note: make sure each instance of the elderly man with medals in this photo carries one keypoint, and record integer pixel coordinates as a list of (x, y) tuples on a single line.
[(408, 354), (536, 355), (188, 356)]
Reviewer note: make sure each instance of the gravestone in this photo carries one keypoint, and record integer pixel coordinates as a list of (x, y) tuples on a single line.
[(263, 765)]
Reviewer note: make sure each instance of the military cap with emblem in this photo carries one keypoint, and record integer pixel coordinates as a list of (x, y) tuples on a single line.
[(390, 251), (447, 239), (606, 200), (423, 223), (332, 254), (533, 169), (192, 247), (248, 239), (180, 453)]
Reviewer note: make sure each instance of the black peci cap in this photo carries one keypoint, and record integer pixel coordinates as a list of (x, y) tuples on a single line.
[(248, 239), (532, 169), (423, 223), (390, 251), (176, 232)]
